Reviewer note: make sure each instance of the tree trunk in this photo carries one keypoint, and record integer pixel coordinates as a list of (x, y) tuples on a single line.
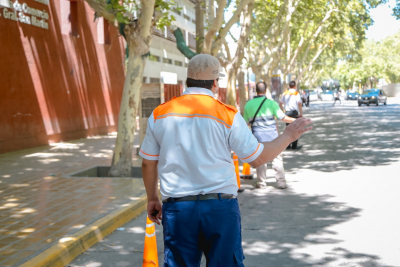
[(138, 37), (231, 88), (138, 34), (199, 25), (284, 85), (242, 91), (122, 157), (258, 75)]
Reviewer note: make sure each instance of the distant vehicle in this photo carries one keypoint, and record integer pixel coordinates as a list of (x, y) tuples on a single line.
[(372, 96), (327, 96), (352, 95), (313, 96)]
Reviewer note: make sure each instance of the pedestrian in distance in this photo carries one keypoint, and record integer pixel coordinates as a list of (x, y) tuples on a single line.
[(188, 146), (260, 113), (292, 104), (337, 97)]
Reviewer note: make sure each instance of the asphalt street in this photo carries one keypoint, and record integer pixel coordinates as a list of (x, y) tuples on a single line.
[(340, 207)]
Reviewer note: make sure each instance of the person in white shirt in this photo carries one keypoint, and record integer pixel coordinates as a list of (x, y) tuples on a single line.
[(188, 146), (292, 105)]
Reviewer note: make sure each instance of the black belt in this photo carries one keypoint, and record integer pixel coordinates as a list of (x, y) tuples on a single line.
[(200, 197)]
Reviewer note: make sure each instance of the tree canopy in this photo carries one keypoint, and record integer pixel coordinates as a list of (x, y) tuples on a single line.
[(378, 60)]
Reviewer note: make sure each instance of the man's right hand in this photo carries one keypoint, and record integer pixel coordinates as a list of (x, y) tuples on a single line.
[(154, 211), (297, 128), (272, 149)]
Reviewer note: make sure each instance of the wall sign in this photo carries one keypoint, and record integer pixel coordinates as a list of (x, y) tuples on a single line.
[(24, 14)]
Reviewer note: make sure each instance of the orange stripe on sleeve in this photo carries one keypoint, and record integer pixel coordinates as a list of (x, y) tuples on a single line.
[(254, 151), (148, 154)]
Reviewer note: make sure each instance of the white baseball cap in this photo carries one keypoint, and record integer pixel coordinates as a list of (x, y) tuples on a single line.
[(204, 67)]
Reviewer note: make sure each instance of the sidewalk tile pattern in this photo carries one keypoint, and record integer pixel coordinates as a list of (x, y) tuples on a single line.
[(37, 210)]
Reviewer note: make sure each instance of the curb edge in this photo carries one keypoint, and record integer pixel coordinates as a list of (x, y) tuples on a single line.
[(61, 254)]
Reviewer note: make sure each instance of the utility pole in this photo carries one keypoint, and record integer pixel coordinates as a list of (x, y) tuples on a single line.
[(199, 25)]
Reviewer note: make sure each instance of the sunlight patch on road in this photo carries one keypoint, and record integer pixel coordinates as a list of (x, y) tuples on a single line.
[(261, 248), (136, 230)]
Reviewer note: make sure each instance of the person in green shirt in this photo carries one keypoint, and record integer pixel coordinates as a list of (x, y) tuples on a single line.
[(260, 113)]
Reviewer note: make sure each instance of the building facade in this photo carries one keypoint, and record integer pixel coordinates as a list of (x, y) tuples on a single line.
[(166, 61), (61, 73)]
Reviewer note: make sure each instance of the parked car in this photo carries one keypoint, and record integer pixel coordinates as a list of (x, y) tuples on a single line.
[(372, 96), (327, 96), (313, 96), (352, 95)]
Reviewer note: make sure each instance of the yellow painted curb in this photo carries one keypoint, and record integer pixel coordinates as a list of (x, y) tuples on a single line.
[(70, 247)]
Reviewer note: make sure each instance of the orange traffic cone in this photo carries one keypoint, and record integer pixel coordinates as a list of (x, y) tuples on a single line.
[(236, 163), (150, 256), (246, 174)]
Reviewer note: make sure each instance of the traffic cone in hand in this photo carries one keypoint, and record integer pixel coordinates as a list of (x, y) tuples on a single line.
[(236, 163), (150, 256), (246, 174)]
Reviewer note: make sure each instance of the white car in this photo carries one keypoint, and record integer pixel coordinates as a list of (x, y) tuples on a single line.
[(327, 96), (313, 96)]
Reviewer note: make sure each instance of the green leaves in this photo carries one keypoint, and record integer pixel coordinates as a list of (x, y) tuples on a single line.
[(380, 60), (121, 18), (396, 10), (127, 11)]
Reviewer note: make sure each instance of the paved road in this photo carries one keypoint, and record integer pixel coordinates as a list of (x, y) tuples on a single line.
[(341, 207)]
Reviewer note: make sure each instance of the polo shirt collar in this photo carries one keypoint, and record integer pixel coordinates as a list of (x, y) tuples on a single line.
[(198, 91)]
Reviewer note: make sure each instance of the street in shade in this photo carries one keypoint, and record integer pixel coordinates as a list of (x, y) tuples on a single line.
[(338, 210)]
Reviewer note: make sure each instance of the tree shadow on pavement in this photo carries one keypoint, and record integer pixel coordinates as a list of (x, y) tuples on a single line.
[(290, 229), (346, 137)]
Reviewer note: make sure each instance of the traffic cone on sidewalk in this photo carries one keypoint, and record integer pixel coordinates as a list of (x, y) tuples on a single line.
[(236, 163), (150, 256), (246, 173)]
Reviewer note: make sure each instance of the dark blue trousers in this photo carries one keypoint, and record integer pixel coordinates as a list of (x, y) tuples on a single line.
[(211, 227)]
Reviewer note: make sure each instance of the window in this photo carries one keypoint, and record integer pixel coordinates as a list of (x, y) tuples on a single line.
[(193, 20), (154, 80), (186, 17), (69, 17), (178, 63), (167, 60), (144, 79), (154, 58)]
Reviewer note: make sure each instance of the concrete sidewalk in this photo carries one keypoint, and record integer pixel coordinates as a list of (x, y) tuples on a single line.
[(40, 208)]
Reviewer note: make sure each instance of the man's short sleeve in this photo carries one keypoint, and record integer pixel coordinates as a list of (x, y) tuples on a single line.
[(243, 142), (298, 99), (150, 148), (278, 113)]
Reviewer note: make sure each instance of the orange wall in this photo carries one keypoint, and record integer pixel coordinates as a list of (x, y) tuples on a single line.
[(54, 86)]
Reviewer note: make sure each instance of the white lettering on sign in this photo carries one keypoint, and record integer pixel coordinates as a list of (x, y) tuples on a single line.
[(41, 23), (25, 14), (9, 14)]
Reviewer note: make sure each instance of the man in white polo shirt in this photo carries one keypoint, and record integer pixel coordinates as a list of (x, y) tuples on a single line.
[(188, 145), (292, 104)]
